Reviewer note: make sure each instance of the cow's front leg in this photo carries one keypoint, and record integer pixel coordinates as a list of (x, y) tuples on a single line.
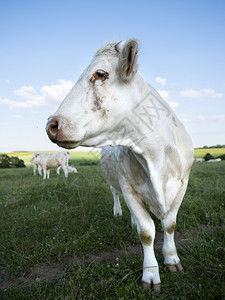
[(35, 169), (65, 170), (48, 173), (146, 232), (39, 170), (44, 172)]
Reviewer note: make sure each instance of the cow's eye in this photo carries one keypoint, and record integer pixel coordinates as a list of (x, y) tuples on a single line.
[(99, 75)]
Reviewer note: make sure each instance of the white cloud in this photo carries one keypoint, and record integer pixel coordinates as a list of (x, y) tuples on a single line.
[(161, 80), (7, 81), (200, 93), (32, 98), (57, 91)]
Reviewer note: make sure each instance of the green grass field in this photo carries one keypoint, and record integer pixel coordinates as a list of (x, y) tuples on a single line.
[(59, 240)]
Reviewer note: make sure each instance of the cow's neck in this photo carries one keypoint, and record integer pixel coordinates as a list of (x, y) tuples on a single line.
[(141, 129)]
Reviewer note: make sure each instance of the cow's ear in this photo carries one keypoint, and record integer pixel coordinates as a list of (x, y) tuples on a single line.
[(127, 66)]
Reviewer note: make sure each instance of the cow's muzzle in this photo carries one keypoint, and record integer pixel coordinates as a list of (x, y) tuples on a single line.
[(56, 129), (53, 129)]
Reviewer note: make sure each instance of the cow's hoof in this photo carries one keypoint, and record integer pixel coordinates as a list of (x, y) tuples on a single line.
[(146, 286), (157, 287), (117, 216), (175, 268)]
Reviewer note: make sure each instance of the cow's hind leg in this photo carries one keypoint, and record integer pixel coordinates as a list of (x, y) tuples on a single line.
[(146, 232), (171, 259), (117, 210)]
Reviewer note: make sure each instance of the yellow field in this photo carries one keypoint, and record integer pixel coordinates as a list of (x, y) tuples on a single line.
[(76, 155), (213, 151), (95, 155)]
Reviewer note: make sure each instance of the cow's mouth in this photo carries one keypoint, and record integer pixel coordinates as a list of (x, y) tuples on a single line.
[(68, 144)]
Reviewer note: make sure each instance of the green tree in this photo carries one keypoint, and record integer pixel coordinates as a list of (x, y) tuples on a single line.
[(208, 156), (11, 162)]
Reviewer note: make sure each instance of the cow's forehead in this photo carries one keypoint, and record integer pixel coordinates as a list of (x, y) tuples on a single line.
[(101, 61), (108, 49)]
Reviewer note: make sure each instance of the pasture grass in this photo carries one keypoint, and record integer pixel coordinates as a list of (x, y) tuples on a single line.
[(59, 221)]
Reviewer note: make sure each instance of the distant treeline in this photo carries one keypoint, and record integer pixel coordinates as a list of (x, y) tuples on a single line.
[(11, 162), (210, 147)]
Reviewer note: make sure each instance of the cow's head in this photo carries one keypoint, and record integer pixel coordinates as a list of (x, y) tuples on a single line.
[(99, 100), (35, 159)]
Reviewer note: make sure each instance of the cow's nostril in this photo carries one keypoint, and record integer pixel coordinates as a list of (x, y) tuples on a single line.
[(52, 129), (54, 126)]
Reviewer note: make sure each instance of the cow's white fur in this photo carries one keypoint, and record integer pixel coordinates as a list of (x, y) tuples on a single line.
[(46, 161), (149, 153)]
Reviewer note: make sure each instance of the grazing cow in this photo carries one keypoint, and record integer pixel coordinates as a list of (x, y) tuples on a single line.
[(149, 154), (214, 160), (71, 169), (199, 159), (46, 161), (35, 161)]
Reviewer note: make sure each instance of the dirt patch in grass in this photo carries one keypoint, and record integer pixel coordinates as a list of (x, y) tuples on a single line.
[(39, 274), (47, 273)]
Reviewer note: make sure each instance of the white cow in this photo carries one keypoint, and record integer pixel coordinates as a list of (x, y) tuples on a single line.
[(46, 161), (35, 161), (149, 153), (199, 159), (214, 160), (71, 169)]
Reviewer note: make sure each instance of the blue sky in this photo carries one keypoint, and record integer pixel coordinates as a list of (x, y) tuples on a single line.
[(45, 45)]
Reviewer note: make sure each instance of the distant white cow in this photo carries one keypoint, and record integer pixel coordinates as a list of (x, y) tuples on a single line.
[(71, 169), (199, 159), (35, 161), (46, 161), (214, 160)]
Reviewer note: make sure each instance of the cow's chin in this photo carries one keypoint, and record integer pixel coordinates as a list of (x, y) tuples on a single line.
[(68, 144)]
